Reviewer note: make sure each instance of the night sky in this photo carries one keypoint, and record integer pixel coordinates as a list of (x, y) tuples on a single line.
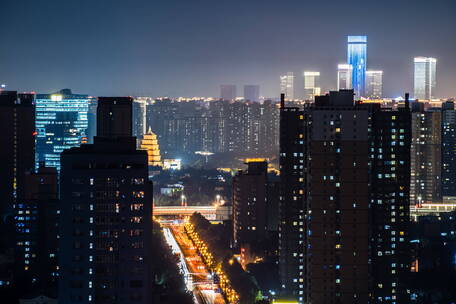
[(190, 47)]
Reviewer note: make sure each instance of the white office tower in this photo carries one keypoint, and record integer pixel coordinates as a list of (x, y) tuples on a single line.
[(424, 78), (344, 76), (311, 85), (287, 85), (374, 84)]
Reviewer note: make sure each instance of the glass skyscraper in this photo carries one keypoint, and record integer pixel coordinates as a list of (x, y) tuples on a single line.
[(61, 123), (357, 58), (287, 85), (424, 77), (344, 76), (374, 84), (311, 85)]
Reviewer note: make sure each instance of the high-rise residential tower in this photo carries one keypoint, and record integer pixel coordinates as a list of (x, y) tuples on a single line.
[(249, 203), (374, 84), (17, 122), (106, 208), (61, 123), (344, 76), (426, 155), (228, 92), (36, 224), (448, 149), (424, 77), (287, 85), (311, 85), (345, 173), (252, 92), (357, 58)]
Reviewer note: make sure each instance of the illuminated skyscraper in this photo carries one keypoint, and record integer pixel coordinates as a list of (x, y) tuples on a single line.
[(252, 92), (344, 76), (374, 84), (228, 92), (287, 85), (61, 123), (311, 85), (424, 77), (357, 57)]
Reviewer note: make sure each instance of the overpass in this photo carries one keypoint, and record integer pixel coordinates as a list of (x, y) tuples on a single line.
[(220, 213)]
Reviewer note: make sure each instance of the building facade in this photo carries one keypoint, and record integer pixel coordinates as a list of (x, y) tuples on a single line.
[(311, 85), (17, 121), (61, 123), (426, 156), (345, 181), (448, 149), (344, 76), (250, 191), (228, 92), (374, 84), (357, 58), (287, 85), (106, 212), (36, 224), (252, 92), (424, 77)]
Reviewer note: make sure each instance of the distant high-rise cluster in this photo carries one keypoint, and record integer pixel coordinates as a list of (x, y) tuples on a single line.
[(217, 126)]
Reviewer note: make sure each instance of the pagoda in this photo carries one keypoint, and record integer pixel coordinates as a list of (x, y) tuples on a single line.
[(150, 144)]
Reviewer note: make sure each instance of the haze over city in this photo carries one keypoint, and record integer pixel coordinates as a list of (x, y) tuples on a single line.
[(188, 48)]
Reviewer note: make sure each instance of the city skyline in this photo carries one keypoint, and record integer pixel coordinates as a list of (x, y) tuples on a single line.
[(143, 59)]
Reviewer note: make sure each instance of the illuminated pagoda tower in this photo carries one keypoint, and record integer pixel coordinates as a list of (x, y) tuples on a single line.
[(150, 143)]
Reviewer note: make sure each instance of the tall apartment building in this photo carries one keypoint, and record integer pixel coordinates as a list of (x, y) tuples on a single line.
[(36, 224), (17, 121), (252, 92), (334, 223), (426, 155), (250, 194), (106, 214), (448, 149)]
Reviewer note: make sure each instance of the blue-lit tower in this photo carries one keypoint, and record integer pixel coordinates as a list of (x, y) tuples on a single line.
[(357, 57), (61, 123)]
